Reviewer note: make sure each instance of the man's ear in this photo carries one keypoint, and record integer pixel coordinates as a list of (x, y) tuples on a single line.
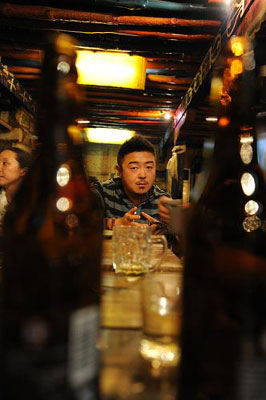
[(119, 169)]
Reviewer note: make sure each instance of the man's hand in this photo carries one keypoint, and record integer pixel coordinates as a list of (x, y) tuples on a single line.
[(164, 211), (156, 226), (174, 214), (129, 218)]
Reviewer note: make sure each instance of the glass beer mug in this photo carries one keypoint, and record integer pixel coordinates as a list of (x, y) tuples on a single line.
[(135, 250)]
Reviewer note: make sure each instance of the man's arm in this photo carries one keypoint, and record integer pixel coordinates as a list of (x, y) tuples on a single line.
[(128, 218)]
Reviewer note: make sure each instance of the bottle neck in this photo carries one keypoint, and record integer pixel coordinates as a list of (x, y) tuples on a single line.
[(59, 102)]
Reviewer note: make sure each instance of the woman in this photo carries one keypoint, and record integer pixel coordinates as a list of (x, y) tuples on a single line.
[(14, 164)]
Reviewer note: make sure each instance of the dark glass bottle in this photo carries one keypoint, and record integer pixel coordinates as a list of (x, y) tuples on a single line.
[(52, 254), (224, 316)]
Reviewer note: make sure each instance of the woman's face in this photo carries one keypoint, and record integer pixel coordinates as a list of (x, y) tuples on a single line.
[(10, 170)]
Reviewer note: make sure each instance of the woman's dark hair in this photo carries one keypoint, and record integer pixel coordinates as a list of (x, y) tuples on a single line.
[(23, 157), (136, 143)]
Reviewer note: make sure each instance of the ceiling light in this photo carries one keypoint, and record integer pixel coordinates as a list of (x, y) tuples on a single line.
[(111, 69), (106, 135), (224, 121), (83, 121), (216, 88), (228, 2), (167, 116), (237, 45), (236, 67), (211, 119)]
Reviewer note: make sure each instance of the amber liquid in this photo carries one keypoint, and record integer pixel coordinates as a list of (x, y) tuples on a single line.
[(52, 255), (223, 355)]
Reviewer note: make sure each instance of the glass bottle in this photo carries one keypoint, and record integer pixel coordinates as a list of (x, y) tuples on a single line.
[(224, 313), (52, 254)]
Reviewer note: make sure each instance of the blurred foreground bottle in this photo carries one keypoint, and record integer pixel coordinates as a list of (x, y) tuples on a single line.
[(52, 254), (224, 315)]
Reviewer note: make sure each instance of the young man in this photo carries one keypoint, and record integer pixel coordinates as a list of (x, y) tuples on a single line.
[(132, 197)]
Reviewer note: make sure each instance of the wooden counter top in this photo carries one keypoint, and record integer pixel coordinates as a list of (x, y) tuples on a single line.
[(169, 263), (124, 374)]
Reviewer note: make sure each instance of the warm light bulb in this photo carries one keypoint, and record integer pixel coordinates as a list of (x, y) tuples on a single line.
[(236, 67), (162, 306), (228, 3), (248, 183), (167, 115), (246, 153), (72, 221), (63, 204), (251, 207), (63, 67), (63, 175), (224, 121), (216, 88), (246, 139), (251, 224), (237, 46)]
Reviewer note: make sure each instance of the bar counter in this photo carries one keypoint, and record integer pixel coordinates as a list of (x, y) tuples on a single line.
[(125, 374)]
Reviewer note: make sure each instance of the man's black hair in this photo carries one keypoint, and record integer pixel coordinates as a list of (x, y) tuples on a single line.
[(136, 143)]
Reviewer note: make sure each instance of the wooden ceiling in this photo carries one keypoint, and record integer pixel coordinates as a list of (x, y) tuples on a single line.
[(174, 36)]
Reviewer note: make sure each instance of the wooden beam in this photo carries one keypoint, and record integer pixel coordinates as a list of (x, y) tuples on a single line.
[(55, 14), (14, 87), (169, 35)]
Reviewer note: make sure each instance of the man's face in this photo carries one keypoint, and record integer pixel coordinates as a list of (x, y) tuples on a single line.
[(137, 173)]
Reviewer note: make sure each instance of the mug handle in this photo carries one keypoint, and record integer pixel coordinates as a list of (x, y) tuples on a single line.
[(155, 240)]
